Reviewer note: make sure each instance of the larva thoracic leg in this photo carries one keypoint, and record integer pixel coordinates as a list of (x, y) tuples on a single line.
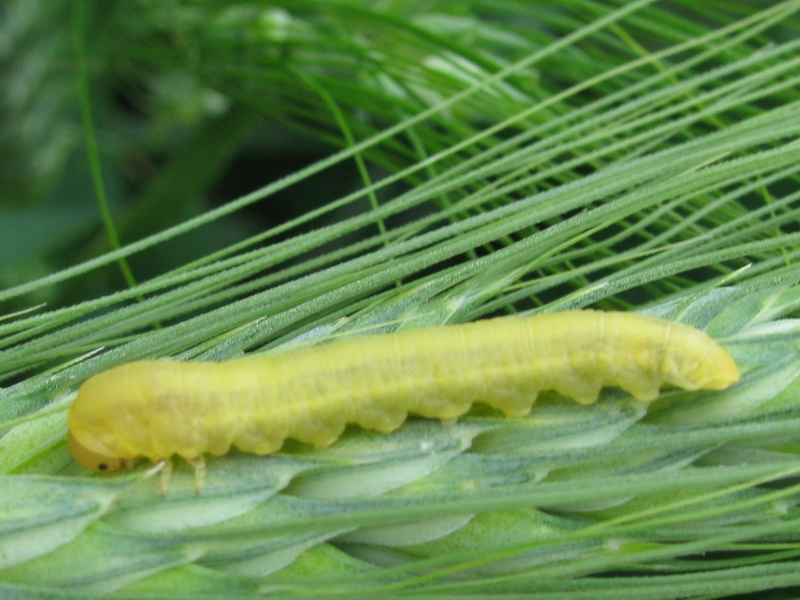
[(157, 409)]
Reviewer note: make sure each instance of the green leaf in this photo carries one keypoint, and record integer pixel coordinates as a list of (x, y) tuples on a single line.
[(446, 162)]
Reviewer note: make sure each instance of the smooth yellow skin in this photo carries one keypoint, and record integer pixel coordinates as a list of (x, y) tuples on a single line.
[(157, 409)]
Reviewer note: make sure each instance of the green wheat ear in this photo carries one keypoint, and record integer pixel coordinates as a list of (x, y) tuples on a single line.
[(463, 159)]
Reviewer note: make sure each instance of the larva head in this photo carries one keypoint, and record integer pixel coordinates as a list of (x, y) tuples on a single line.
[(90, 459), (100, 424)]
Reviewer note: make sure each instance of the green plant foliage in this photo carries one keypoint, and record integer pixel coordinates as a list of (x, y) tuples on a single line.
[(280, 174)]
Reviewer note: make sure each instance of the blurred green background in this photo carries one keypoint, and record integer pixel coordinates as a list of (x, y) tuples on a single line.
[(202, 179)]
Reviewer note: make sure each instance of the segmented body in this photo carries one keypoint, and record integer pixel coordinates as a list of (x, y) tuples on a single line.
[(157, 409)]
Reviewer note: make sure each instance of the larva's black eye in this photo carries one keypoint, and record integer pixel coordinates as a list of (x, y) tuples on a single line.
[(102, 466)]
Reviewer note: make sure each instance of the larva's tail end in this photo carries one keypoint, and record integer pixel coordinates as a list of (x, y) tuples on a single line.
[(720, 371)]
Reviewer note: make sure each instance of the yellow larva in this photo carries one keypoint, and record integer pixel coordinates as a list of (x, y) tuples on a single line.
[(157, 409)]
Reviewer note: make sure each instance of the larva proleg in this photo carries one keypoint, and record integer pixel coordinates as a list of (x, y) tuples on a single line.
[(161, 408)]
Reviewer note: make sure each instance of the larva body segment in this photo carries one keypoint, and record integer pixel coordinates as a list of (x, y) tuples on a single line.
[(156, 409)]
